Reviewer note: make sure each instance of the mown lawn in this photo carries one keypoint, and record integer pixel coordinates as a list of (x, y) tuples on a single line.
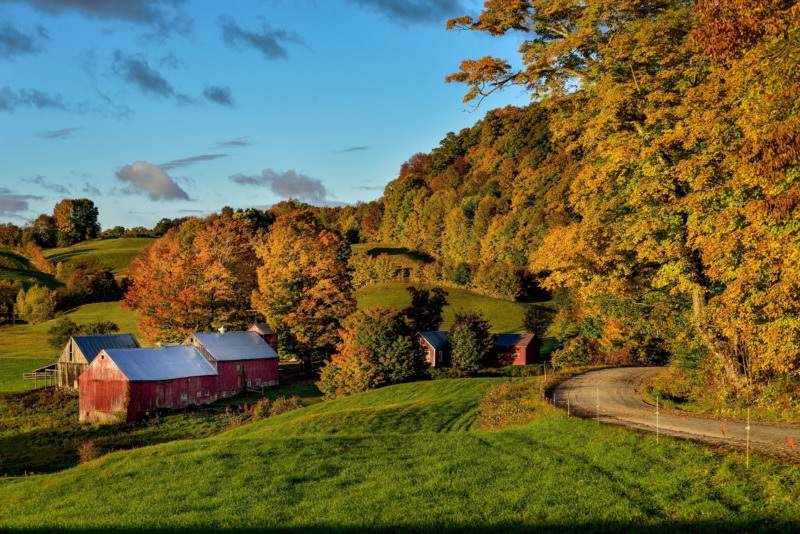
[(113, 254), (410, 458)]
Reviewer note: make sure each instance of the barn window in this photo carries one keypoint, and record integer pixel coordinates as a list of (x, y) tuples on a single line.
[(103, 357), (199, 393), (208, 394), (258, 381), (224, 393), (188, 379), (516, 355), (238, 367), (248, 383)]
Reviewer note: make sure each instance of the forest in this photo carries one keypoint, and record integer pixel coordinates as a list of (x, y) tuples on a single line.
[(650, 189)]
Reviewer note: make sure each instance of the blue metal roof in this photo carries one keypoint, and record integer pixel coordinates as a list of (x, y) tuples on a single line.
[(161, 363), (230, 346), (90, 346), (436, 339), (513, 340)]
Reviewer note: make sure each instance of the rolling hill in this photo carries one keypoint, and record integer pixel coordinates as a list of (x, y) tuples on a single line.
[(411, 458), (115, 255)]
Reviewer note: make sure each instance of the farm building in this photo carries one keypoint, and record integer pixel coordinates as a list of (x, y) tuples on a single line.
[(242, 359), (79, 352), (266, 334), (436, 345), (517, 349), (121, 385)]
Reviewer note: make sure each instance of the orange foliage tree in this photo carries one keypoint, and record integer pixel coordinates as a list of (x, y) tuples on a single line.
[(196, 278)]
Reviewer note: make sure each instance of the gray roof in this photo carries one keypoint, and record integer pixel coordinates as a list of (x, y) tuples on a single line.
[(263, 328), (230, 346), (90, 346), (161, 363), (513, 340), (436, 339)]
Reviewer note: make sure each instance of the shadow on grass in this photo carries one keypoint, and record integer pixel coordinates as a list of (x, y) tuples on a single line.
[(545, 528)]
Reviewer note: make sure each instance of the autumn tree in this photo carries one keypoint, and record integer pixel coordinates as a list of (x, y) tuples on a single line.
[(303, 283), (471, 344), (196, 278), (426, 312), (35, 305), (76, 220), (8, 297), (377, 349)]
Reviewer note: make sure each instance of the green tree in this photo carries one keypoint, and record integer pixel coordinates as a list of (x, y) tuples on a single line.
[(76, 220), (377, 349), (35, 305), (471, 344), (426, 312), (537, 320)]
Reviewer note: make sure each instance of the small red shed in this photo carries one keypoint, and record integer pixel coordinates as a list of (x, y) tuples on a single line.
[(436, 345), (266, 334), (121, 385), (242, 359), (517, 349)]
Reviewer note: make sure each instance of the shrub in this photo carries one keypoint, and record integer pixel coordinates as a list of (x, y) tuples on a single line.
[(579, 350), (261, 409), (283, 405), (89, 451)]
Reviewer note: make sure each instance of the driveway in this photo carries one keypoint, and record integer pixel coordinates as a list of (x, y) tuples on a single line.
[(616, 393)]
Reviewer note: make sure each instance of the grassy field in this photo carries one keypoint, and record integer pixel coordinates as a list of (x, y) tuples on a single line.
[(504, 315), (25, 346), (40, 432), (113, 254), (14, 266), (410, 458)]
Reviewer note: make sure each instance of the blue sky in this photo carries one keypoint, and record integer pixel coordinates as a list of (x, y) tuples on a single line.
[(168, 108)]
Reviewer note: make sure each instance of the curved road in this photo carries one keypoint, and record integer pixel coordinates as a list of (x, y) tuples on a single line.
[(615, 391)]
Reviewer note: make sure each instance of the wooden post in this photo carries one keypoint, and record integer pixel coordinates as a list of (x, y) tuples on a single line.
[(748, 438), (657, 418), (598, 405)]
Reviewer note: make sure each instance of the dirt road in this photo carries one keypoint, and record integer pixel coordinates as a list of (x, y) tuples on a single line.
[(615, 391)]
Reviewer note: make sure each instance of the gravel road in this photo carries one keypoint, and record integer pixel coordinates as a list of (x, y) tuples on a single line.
[(615, 391)]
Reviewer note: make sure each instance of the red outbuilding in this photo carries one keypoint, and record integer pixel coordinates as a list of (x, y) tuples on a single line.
[(266, 334), (517, 349), (436, 345), (242, 359), (121, 385)]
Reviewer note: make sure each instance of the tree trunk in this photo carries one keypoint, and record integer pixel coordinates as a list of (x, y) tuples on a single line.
[(723, 349)]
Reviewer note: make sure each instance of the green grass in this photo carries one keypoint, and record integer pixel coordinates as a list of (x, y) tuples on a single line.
[(40, 432), (14, 266), (29, 342), (409, 458), (113, 254), (504, 315)]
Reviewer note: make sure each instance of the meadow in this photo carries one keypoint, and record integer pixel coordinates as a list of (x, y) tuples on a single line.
[(15, 266), (115, 255), (411, 457)]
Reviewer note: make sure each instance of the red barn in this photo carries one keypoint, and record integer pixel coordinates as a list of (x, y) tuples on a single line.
[(242, 359), (266, 334), (436, 345), (517, 349), (121, 385)]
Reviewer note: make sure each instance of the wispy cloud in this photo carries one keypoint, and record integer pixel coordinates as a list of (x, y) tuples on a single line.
[(165, 16), (353, 149), (43, 182), (12, 205), (63, 133), (402, 12), (287, 185), (219, 95), (368, 188), (185, 162), (270, 42), (90, 189), (28, 98), (13, 42), (148, 179), (137, 71), (234, 143)]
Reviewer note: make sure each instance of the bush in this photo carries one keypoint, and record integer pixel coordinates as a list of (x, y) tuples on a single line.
[(261, 409), (89, 451), (283, 405), (578, 351)]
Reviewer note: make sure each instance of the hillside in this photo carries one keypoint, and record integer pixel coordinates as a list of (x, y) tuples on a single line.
[(410, 458), (115, 255), (14, 266)]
